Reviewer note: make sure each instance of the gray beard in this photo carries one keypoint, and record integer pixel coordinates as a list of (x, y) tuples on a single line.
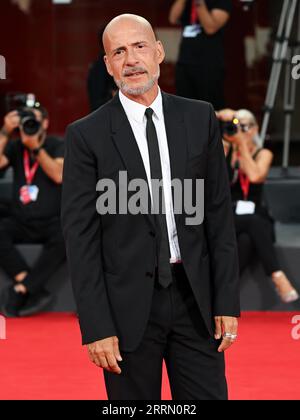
[(139, 90)]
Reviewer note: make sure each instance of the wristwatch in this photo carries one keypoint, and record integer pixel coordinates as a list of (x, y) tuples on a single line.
[(37, 150)]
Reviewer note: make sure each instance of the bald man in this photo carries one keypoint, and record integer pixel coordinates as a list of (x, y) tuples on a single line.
[(149, 286)]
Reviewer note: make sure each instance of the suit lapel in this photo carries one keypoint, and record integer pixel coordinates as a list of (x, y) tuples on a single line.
[(176, 135), (177, 142), (127, 146)]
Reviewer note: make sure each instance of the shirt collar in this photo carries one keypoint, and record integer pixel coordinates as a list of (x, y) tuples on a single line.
[(136, 111)]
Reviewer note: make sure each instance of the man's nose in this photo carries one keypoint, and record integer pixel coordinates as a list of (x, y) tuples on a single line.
[(131, 57)]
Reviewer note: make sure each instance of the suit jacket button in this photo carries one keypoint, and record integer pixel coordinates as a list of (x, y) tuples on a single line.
[(151, 233), (149, 274)]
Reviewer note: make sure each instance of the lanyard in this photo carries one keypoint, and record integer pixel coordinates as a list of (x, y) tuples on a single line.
[(244, 181), (194, 15), (29, 172), (245, 184)]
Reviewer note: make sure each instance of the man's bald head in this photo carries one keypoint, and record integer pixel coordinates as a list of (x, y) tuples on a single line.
[(132, 54), (127, 22)]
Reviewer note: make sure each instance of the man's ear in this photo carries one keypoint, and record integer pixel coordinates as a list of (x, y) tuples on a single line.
[(108, 66), (160, 52), (45, 124)]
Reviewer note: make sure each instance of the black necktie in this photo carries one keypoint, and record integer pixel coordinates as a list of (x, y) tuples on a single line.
[(163, 251)]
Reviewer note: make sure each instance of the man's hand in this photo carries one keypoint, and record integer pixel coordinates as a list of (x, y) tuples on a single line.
[(32, 142), (226, 114), (225, 324), (105, 354), (11, 121)]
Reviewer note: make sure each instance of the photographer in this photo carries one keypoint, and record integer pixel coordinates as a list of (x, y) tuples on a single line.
[(248, 167), (37, 161), (200, 66)]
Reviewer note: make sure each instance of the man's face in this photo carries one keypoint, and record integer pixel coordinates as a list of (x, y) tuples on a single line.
[(133, 57)]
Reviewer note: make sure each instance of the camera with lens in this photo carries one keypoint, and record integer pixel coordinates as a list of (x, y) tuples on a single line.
[(25, 103), (28, 122), (229, 128)]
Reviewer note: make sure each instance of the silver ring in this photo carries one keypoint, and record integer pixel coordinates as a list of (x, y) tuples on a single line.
[(229, 336)]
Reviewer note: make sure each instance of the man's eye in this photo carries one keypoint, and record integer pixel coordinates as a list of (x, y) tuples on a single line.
[(141, 46)]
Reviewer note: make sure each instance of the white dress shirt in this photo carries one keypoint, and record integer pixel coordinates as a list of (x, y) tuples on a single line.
[(136, 115)]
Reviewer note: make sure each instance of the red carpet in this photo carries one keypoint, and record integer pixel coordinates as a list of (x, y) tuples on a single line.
[(42, 359)]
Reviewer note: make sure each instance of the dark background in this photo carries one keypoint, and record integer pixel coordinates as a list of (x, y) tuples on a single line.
[(48, 52)]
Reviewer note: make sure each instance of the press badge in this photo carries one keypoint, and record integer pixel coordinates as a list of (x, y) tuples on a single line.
[(245, 207), (191, 31), (28, 193)]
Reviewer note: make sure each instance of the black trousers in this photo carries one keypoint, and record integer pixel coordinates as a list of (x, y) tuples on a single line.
[(255, 236), (46, 232), (201, 82), (176, 333)]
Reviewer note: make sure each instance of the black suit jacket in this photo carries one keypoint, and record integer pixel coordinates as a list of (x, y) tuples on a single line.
[(112, 257)]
